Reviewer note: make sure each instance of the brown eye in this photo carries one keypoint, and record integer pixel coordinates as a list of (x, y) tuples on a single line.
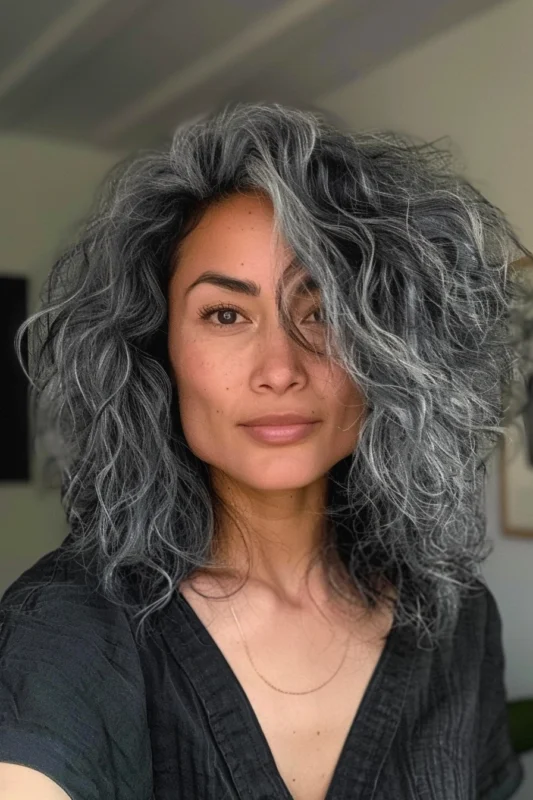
[(225, 311), (317, 310), (226, 315)]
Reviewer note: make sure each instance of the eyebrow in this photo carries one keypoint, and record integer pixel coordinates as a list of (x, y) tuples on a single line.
[(249, 288)]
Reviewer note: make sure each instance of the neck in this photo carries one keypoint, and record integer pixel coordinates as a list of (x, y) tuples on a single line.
[(277, 536)]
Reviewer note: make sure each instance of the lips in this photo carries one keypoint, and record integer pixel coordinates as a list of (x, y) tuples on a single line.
[(278, 420), (281, 434)]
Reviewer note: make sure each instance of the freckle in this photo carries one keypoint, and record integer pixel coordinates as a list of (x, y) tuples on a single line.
[(318, 733)]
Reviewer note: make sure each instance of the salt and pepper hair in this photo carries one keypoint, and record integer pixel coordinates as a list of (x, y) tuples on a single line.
[(413, 266)]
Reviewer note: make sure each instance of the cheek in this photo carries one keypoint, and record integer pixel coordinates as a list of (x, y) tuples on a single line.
[(194, 371), (199, 386), (343, 394), (348, 407), (206, 390), (199, 411)]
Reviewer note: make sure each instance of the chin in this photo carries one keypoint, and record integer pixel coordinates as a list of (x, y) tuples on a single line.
[(280, 478)]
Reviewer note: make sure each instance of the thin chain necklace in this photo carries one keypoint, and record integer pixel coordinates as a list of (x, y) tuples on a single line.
[(283, 691)]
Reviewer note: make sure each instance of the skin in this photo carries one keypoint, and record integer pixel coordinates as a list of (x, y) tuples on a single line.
[(247, 366)]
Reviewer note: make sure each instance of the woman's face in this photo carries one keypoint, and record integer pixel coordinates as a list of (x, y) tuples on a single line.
[(246, 365)]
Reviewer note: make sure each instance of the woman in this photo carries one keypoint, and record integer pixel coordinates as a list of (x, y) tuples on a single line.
[(277, 354)]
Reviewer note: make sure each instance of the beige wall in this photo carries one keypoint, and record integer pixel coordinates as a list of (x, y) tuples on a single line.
[(45, 188), (475, 85)]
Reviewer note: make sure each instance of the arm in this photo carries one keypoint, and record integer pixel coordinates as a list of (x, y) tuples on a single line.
[(23, 783)]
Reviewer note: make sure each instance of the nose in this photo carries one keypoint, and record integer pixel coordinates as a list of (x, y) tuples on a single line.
[(279, 360)]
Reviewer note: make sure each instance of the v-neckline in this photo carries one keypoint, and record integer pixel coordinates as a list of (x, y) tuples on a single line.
[(237, 729)]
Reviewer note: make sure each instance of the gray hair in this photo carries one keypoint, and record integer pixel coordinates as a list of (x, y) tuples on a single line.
[(413, 267)]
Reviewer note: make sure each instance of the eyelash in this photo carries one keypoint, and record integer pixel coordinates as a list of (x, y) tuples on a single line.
[(207, 311)]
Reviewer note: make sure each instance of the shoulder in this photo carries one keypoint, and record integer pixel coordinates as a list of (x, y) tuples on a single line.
[(56, 570), (56, 606), (62, 588), (463, 655), (480, 623)]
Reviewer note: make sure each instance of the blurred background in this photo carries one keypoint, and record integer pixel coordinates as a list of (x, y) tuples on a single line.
[(84, 83)]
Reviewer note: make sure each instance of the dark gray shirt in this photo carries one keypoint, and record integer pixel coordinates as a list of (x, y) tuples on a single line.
[(108, 720)]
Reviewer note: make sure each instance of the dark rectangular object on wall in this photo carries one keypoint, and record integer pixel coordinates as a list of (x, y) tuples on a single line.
[(14, 422)]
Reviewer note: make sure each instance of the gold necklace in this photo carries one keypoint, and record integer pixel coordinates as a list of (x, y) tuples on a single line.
[(283, 691)]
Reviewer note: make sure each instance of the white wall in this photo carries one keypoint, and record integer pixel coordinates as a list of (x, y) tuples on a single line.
[(45, 188), (474, 84)]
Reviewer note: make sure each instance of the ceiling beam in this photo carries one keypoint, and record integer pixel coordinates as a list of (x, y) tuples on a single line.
[(61, 29), (262, 31)]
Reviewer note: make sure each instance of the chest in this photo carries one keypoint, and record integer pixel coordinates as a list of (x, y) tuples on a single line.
[(305, 733)]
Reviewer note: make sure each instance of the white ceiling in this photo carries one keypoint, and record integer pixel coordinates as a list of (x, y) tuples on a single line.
[(121, 74)]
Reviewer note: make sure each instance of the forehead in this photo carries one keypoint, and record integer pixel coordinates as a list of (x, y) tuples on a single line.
[(231, 224), (235, 238)]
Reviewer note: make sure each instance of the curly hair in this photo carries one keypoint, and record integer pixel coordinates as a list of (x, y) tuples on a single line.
[(414, 269)]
